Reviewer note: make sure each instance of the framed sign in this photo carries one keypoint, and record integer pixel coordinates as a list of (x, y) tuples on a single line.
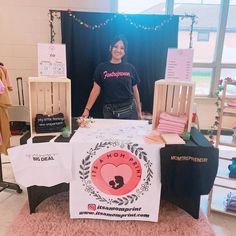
[(52, 60), (179, 64)]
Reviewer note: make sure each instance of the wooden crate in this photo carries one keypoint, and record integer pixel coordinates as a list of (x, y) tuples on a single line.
[(173, 97), (49, 96)]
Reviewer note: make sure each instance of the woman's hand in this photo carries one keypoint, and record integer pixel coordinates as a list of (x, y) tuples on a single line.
[(82, 121)]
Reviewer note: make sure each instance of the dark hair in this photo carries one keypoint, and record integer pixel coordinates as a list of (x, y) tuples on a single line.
[(1, 64), (118, 38)]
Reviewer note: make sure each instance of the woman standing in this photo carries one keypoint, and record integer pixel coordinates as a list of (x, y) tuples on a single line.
[(118, 81)]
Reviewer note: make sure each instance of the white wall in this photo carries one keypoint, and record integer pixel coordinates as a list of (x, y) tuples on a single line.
[(24, 23)]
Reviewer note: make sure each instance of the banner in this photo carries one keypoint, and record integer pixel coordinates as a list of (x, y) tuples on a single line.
[(116, 180)]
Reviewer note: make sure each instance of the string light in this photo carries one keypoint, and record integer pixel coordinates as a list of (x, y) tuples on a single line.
[(56, 14), (52, 15), (126, 18)]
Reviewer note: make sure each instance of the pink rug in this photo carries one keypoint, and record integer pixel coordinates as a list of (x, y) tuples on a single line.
[(53, 218)]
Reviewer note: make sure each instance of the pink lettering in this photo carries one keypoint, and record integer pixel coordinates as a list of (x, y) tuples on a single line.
[(117, 74)]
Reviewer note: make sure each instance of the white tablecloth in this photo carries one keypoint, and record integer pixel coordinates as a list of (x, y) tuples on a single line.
[(116, 175), (113, 173)]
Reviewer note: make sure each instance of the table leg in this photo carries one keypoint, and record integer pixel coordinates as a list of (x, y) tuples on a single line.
[(37, 194), (7, 185)]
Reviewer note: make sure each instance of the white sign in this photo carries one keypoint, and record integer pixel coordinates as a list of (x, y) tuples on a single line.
[(116, 174), (52, 60), (115, 180), (179, 64)]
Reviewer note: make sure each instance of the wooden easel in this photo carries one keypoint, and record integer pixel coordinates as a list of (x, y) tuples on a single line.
[(7, 185)]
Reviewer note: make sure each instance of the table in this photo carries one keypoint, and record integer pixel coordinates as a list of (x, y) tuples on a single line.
[(188, 200)]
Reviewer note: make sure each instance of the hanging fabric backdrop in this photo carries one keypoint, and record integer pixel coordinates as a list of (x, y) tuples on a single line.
[(87, 37)]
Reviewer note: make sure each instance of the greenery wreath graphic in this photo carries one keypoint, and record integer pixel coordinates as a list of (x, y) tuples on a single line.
[(133, 148)]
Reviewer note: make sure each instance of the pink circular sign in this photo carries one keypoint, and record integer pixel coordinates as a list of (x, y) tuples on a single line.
[(116, 172)]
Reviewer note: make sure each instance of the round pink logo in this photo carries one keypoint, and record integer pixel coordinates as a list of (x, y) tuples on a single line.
[(119, 175), (116, 172)]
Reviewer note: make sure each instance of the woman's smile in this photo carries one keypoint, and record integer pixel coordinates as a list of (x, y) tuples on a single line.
[(118, 52)]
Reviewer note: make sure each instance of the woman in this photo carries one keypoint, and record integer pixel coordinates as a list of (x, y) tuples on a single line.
[(5, 103), (118, 80)]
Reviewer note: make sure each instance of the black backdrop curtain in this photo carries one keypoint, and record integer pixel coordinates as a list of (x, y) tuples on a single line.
[(85, 48)]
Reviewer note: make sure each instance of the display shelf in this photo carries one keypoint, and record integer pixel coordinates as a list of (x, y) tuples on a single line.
[(225, 158), (226, 152), (223, 184), (223, 171), (228, 130), (49, 96), (229, 183), (227, 140), (219, 195), (227, 97), (225, 110), (229, 111)]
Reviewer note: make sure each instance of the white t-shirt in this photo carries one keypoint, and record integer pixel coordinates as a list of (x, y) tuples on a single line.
[(42, 164)]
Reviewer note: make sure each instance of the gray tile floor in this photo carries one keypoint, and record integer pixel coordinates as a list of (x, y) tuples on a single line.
[(11, 203)]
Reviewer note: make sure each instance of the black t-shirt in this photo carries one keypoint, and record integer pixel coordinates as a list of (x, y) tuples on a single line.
[(116, 81)]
